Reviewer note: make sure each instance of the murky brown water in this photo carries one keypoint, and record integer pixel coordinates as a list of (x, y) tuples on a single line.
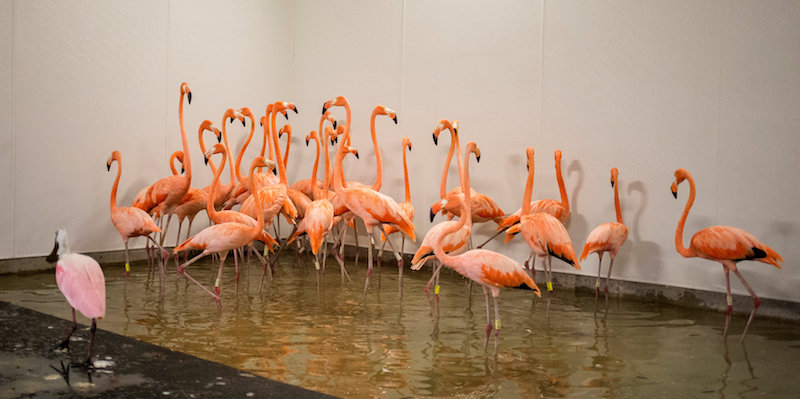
[(331, 341)]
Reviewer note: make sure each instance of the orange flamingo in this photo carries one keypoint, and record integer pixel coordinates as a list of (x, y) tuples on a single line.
[(545, 234), (168, 192), (82, 282), (318, 219), (408, 209), (129, 221), (225, 190), (607, 237), (221, 238), (724, 244), (304, 185), (484, 209), (372, 207), (489, 269)]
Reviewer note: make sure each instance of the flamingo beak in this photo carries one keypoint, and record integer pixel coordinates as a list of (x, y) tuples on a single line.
[(324, 108), (435, 139), (219, 138), (674, 191), (527, 167), (395, 120), (306, 143), (286, 115), (53, 257), (433, 215), (242, 122), (231, 119), (108, 167), (478, 158), (189, 97), (205, 159), (334, 125), (409, 147), (612, 183), (356, 154), (275, 172), (295, 110), (182, 170)]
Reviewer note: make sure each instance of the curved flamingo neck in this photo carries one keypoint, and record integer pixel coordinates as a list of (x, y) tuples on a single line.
[(616, 201), (212, 211), (187, 162), (288, 134), (328, 172), (241, 151), (454, 146), (466, 211), (526, 198), (203, 149), (279, 157), (405, 175), (172, 162), (233, 171), (338, 173), (114, 187), (266, 140), (685, 252), (561, 188), (379, 170), (314, 189), (259, 210), (347, 120)]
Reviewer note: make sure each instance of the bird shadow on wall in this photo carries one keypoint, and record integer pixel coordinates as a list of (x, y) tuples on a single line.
[(642, 253), (577, 224)]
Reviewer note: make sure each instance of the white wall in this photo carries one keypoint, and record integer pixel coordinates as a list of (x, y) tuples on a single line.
[(93, 77), (646, 86)]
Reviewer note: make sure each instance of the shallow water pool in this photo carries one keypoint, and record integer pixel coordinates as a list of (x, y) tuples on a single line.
[(324, 336)]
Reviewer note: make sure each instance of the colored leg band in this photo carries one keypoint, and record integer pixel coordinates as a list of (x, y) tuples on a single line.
[(436, 290), (127, 267), (550, 286)]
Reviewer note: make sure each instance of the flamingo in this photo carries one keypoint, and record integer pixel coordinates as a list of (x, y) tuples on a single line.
[(221, 238), (560, 210), (179, 156), (318, 219), (230, 216), (489, 269), (82, 282), (484, 209), (724, 244), (168, 192), (129, 221), (224, 191), (304, 185), (607, 237), (545, 234), (408, 209)]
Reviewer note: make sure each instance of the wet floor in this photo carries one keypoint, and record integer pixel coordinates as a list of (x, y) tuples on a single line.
[(325, 337)]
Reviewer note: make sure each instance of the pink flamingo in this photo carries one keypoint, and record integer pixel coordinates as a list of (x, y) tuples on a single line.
[(221, 238), (607, 237), (489, 269), (545, 234), (129, 221), (82, 282), (484, 209), (408, 209), (724, 244), (168, 192), (304, 185), (318, 219)]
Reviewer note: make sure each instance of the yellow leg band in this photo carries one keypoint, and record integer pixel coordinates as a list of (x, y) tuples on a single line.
[(216, 283), (436, 290), (496, 324), (549, 286), (597, 283), (127, 267), (730, 301)]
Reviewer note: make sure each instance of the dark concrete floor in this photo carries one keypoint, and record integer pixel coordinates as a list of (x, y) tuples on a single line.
[(122, 367)]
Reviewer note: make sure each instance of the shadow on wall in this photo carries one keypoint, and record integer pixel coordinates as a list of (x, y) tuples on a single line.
[(642, 253), (577, 223)]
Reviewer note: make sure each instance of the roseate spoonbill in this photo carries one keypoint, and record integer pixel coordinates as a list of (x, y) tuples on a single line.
[(724, 244), (82, 282), (607, 237)]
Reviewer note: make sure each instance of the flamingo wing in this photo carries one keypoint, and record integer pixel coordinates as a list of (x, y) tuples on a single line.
[(605, 237), (547, 236), (731, 243)]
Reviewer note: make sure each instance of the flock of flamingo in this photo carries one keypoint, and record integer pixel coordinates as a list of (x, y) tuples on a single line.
[(322, 209)]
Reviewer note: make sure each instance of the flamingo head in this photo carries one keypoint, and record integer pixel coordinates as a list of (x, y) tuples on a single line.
[(381, 110), (233, 114), (287, 129), (473, 148), (339, 101), (115, 156), (407, 143), (208, 125), (215, 149), (261, 162), (245, 111), (529, 153), (444, 124), (347, 148), (60, 247), (680, 176), (312, 135), (329, 117), (185, 90), (282, 106), (557, 155), (614, 176)]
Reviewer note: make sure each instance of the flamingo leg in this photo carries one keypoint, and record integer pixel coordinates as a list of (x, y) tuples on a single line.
[(610, 266), (369, 260), (355, 234), (496, 316), (756, 302), (236, 262), (549, 273), (488, 318), (493, 237), (399, 267), (599, 269), (127, 261), (178, 236), (729, 309), (217, 290), (164, 232)]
